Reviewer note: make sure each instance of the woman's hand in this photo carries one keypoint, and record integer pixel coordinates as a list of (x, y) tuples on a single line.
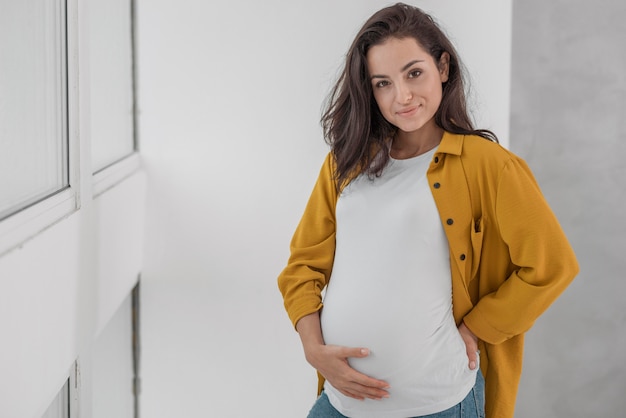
[(332, 362), (471, 345)]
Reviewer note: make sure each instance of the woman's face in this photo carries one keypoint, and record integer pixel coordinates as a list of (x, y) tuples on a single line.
[(407, 82)]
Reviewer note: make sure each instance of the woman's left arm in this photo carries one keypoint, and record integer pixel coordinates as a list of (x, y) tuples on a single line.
[(537, 245)]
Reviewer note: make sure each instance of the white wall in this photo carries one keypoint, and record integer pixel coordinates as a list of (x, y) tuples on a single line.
[(230, 98)]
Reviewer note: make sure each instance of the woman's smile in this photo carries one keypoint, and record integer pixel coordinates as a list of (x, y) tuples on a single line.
[(408, 111)]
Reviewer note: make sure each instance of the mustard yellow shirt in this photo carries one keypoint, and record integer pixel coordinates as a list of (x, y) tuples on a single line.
[(509, 257)]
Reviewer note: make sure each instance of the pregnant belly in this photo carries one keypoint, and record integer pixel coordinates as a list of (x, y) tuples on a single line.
[(403, 338)]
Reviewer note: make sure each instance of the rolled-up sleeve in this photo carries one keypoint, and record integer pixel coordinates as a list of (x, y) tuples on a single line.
[(312, 249)]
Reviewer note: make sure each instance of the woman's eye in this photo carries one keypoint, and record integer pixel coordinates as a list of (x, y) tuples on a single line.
[(382, 83), (414, 73)]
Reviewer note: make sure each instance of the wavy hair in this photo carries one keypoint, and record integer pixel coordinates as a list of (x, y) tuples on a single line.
[(352, 123)]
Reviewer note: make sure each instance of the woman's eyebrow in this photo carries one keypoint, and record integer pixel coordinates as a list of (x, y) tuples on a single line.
[(410, 64), (406, 67)]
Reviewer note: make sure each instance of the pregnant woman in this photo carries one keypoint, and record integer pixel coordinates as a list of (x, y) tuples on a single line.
[(434, 244)]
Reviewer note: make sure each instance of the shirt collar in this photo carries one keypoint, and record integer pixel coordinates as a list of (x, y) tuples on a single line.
[(451, 143)]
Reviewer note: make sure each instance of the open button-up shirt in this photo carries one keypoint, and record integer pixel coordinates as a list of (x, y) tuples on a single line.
[(509, 257)]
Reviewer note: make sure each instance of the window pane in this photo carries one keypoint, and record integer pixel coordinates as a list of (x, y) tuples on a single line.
[(33, 97), (112, 371), (111, 81), (60, 406)]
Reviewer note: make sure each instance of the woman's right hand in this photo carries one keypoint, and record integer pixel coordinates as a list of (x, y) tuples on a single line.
[(471, 345), (332, 363)]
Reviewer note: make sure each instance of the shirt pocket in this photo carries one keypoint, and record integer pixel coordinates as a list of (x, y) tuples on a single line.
[(476, 236)]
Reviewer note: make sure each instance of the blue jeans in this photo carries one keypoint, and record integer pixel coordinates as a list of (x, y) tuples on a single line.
[(473, 406)]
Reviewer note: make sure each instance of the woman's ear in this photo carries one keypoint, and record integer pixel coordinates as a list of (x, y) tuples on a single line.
[(444, 66)]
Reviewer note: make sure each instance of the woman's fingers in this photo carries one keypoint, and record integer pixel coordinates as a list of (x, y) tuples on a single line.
[(332, 363), (471, 345)]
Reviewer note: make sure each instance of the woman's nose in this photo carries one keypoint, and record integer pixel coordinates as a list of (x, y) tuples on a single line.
[(403, 93)]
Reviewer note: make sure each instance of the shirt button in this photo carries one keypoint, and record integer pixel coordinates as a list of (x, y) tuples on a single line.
[(462, 257), (449, 221), (436, 185)]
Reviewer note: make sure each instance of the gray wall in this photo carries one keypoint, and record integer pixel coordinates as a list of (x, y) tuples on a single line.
[(568, 121)]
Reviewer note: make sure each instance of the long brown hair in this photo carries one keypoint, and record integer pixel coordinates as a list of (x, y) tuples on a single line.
[(352, 123)]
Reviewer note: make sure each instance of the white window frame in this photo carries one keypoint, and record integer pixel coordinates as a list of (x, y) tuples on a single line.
[(75, 388), (32, 220), (109, 177)]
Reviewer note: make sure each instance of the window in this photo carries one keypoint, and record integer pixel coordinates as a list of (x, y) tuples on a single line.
[(33, 102), (42, 132), (111, 84), (62, 403), (65, 403), (60, 406)]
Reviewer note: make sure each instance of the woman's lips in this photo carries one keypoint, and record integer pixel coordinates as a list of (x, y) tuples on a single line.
[(407, 111)]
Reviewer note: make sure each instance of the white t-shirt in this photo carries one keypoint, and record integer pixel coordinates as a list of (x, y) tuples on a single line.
[(391, 291)]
